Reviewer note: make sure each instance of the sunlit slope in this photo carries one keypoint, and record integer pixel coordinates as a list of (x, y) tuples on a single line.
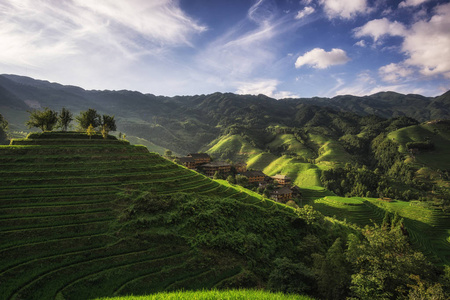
[(428, 228), (302, 160), (233, 147), (78, 220), (437, 134)]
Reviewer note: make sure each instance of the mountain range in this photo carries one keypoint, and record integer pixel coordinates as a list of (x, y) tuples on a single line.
[(188, 123)]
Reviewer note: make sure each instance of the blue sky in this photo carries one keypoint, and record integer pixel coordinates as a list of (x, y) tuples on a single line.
[(285, 48)]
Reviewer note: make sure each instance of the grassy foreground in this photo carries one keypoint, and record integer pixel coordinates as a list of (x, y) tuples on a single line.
[(214, 294)]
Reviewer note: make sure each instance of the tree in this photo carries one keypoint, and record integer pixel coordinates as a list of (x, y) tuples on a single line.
[(109, 123), (383, 264), (44, 120), (88, 118), (332, 273), (241, 180), (231, 179), (90, 131), (168, 153), (3, 129), (64, 119), (290, 277)]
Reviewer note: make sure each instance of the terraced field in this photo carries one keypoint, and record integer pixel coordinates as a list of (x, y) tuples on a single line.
[(58, 209), (428, 228)]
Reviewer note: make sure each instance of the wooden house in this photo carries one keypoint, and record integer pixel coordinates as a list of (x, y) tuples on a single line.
[(187, 161), (281, 179), (282, 195), (200, 158), (254, 176), (216, 166)]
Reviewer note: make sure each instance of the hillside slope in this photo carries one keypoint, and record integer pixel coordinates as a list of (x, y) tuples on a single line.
[(83, 218), (186, 124)]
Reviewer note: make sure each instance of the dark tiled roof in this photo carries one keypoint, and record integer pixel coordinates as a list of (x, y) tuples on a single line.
[(253, 174), (217, 164), (282, 191), (199, 155), (186, 159)]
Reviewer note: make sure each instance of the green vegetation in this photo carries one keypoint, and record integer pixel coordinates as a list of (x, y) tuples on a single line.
[(214, 294), (3, 129), (84, 218), (44, 120)]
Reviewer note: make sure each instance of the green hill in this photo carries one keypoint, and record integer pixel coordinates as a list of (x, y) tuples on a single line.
[(435, 133), (428, 227), (83, 218)]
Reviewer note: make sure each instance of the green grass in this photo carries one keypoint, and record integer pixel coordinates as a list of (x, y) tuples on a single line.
[(438, 134), (428, 228), (60, 234), (302, 174), (214, 294), (260, 161), (235, 145), (292, 145), (150, 146)]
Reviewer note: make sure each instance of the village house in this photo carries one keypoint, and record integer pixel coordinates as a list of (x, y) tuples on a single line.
[(254, 176), (216, 166), (240, 167), (281, 179), (200, 158), (282, 195), (188, 162)]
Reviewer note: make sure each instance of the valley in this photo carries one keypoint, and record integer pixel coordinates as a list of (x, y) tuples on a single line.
[(87, 215)]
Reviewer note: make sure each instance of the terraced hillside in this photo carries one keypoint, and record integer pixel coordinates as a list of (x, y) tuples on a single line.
[(61, 234), (428, 228)]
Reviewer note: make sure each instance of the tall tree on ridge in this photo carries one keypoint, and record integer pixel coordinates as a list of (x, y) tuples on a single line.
[(87, 118), (45, 120), (65, 117)]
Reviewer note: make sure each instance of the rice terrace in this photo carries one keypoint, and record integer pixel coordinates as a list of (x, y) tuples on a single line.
[(227, 149)]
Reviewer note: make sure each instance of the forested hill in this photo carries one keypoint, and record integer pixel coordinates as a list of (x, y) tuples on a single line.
[(188, 123)]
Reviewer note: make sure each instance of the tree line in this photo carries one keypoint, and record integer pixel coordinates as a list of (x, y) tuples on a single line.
[(89, 121)]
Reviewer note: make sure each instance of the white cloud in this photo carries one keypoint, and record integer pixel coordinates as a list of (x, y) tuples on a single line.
[(262, 11), (304, 12), (320, 59), (428, 44), (380, 27), (361, 43), (266, 87), (34, 32), (345, 9), (408, 3), (394, 72), (306, 2)]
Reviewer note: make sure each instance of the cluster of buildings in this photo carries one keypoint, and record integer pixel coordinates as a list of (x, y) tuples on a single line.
[(282, 192)]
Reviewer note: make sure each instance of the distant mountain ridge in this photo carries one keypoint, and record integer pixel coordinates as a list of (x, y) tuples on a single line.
[(188, 123)]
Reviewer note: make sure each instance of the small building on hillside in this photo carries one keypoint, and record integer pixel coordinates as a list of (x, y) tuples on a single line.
[(200, 158), (281, 179), (188, 162), (216, 166), (282, 195), (240, 167), (254, 176)]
